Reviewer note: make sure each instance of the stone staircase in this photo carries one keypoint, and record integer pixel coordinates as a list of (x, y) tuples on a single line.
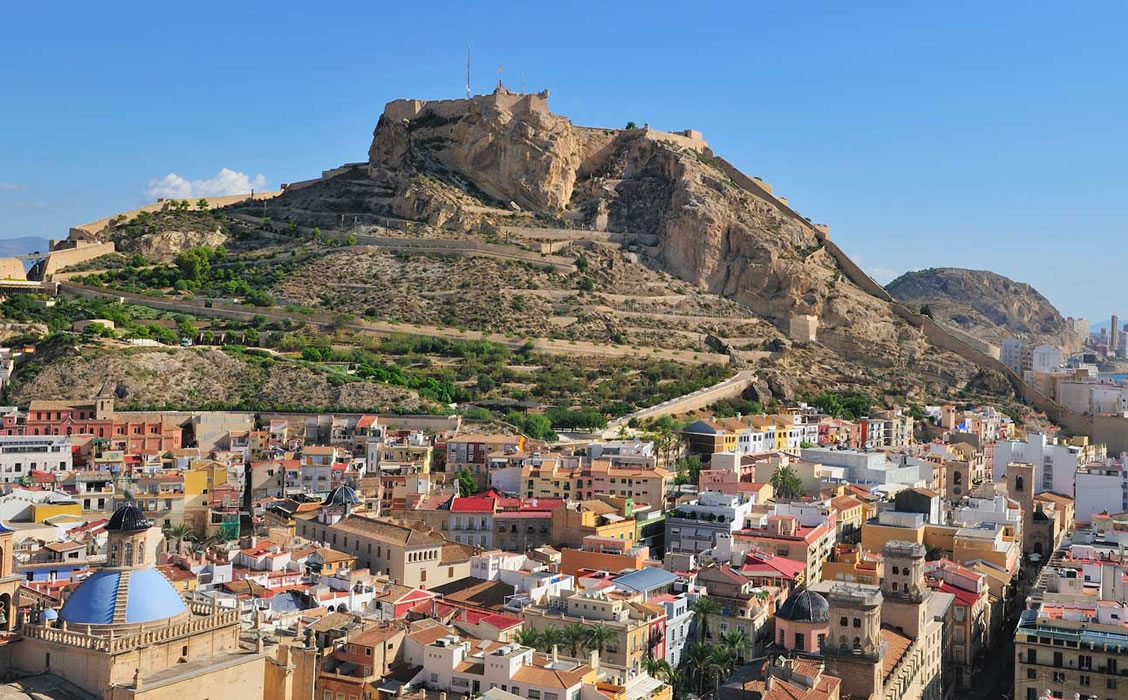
[(122, 599)]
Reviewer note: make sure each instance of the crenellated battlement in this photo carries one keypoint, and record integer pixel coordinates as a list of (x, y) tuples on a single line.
[(499, 99)]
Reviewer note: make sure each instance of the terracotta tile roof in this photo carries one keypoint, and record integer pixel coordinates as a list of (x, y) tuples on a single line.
[(386, 531), (548, 678), (427, 631), (378, 635), (490, 595), (455, 553), (897, 645)]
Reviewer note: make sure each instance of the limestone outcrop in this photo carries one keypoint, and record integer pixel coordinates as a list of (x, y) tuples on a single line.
[(512, 154), (164, 245)]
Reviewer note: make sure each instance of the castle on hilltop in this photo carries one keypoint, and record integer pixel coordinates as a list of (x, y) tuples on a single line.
[(500, 99), (517, 103)]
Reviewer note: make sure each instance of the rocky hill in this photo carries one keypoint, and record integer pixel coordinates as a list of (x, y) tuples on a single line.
[(503, 162), (984, 304), (495, 214)]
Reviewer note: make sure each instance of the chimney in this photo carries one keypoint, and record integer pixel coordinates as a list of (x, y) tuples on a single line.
[(555, 653), (595, 662)]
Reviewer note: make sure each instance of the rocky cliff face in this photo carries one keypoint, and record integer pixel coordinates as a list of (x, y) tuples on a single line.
[(707, 229), (986, 305)]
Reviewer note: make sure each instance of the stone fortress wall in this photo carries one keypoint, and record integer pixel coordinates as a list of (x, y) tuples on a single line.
[(500, 99), (96, 226)]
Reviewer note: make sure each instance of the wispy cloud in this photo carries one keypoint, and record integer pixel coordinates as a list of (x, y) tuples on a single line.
[(11, 187), (29, 204), (226, 181)]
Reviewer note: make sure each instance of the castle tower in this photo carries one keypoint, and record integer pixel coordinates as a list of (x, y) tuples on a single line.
[(1020, 488), (903, 587), (854, 648)]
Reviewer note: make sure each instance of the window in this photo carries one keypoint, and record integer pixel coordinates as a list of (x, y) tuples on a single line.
[(534, 694), (857, 622), (1031, 694), (1084, 680), (184, 651), (1031, 673), (1085, 663), (328, 695), (1031, 656), (799, 640), (896, 571), (1057, 659), (1111, 683), (843, 622), (1059, 676), (422, 575)]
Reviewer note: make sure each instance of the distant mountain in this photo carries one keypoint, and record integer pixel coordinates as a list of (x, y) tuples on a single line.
[(984, 304), (24, 245)]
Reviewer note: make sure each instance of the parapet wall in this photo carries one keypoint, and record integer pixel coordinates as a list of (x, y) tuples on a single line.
[(95, 226), (64, 257), (516, 103)]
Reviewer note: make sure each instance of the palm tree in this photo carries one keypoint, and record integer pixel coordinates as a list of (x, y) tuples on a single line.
[(703, 608), (574, 635), (676, 680), (786, 483), (599, 637), (654, 667), (527, 637), (699, 660), (721, 662), (551, 637), (736, 640), (179, 533)]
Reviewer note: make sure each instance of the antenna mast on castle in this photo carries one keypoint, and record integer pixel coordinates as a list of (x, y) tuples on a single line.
[(468, 71), (499, 77)]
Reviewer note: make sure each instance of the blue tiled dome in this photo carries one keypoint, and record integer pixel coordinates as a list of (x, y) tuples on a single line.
[(150, 597), (50, 614), (805, 606)]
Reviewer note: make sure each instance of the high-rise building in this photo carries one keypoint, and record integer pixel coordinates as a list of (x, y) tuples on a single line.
[(1114, 333)]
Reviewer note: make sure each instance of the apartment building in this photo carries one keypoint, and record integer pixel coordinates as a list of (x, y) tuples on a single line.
[(1073, 638), (805, 534), (971, 616), (630, 620), (21, 455), (1055, 462), (468, 666), (741, 607), (701, 524), (408, 556)]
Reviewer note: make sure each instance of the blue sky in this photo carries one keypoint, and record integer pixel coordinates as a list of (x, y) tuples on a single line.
[(984, 135)]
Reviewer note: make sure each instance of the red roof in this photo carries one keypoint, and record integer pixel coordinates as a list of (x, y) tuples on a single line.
[(965, 597), (501, 622), (766, 563), (481, 503)]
